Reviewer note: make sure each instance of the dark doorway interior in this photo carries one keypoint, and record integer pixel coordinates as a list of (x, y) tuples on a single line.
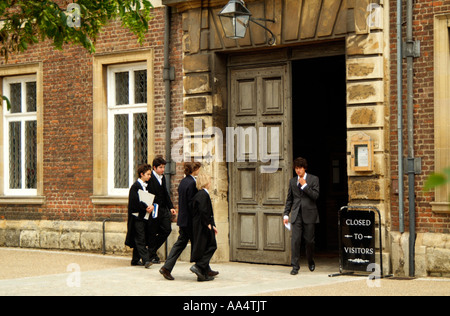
[(320, 135)]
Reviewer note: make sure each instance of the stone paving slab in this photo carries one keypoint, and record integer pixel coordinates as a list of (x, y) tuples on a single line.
[(38, 272), (47, 273)]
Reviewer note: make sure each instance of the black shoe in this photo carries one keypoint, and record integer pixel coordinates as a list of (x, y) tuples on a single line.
[(200, 276), (312, 266), (213, 273), (206, 278), (294, 271), (166, 274), (137, 263), (155, 260), (148, 264)]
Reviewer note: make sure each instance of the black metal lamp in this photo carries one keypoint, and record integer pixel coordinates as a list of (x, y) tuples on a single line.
[(235, 18)]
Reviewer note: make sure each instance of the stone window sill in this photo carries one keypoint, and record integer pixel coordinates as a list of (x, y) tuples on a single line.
[(440, 207), (22, 200), (109, 200)]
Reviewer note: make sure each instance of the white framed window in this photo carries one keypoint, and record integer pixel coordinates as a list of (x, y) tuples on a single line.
[(441, 203), (127, 125), (20, 136)]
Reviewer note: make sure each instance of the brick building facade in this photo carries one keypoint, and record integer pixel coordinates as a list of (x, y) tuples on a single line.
[(72, 195), (431, 138), (345, 48)]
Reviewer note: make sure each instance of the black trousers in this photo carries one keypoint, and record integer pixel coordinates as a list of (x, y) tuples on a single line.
[(158, 230), (181, 244), (210, 249), (140, 250), (307, 231)]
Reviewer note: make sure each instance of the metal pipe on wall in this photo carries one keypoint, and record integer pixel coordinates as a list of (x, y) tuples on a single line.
[(401, 205), (167, 95), (410, 114), (167, 78)]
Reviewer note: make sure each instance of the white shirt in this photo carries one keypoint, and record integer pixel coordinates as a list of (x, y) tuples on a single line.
[(158, 177), (303, 186), (143, 184)]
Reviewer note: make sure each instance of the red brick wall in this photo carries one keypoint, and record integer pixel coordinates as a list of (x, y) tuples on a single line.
[(68, 119), (423, 18)]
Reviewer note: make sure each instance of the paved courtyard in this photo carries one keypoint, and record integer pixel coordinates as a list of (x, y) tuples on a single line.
[(40, 272)]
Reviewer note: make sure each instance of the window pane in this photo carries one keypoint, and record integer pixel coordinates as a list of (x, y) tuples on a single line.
[(15, 160), (122, 88), (140, 140), (16, 97), (31, 96), (140, 86), (121, 152), (30, 155)]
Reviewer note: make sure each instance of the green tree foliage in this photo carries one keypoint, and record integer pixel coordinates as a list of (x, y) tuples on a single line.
[(8, 103), (437, 179), (25, 22)]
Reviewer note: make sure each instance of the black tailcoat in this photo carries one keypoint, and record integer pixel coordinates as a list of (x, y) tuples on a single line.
[(134, 206), (202, 216)]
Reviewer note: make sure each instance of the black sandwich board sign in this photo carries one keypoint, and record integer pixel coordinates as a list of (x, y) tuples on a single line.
[(357, 239)]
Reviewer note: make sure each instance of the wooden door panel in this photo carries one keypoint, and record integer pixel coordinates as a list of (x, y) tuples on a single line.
[(272, 138), (248, 230), (246, 186), (246, 90), (273, 185), (260, 104), (273, 97), (246, 142), (274, 236)]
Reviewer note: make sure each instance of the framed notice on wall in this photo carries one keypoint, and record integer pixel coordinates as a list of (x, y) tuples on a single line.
[(362, 153)]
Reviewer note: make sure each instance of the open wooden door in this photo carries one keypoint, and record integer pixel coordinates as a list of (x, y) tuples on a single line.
[(260, 116)]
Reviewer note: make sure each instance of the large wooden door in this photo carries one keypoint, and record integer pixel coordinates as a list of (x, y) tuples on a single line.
[(260, 111)]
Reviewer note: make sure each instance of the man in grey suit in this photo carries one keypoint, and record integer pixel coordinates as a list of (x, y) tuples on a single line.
[(301, 204)]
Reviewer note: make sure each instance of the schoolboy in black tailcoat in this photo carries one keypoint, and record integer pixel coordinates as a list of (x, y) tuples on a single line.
[(137, 224)]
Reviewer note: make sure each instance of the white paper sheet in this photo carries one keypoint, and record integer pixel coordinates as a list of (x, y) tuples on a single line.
[(146, 198), (288, 226)]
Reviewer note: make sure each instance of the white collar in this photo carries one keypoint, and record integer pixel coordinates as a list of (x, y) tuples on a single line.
[(304, 177), (158, 177), (206, 190), (143, 184)]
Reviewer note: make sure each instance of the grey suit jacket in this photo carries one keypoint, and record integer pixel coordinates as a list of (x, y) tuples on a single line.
[(304, 200)]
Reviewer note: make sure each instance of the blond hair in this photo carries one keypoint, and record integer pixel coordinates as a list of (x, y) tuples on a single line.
[(203, 180)]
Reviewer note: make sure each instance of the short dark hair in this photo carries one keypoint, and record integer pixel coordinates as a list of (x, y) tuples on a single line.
[(158, 161), (143, 169), (300, 163), (191, 166)]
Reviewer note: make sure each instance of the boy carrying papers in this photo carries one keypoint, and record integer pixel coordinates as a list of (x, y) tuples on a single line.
[(138, 214)]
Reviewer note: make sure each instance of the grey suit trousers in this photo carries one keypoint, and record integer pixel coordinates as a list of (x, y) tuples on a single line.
[(299, 229)]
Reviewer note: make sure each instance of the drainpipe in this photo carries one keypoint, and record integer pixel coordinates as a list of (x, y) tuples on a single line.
[(401, 205), (168, 76), (410, 113)]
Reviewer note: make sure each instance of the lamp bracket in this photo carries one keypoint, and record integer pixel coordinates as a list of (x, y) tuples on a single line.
[(271, 40), (264, 20)]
